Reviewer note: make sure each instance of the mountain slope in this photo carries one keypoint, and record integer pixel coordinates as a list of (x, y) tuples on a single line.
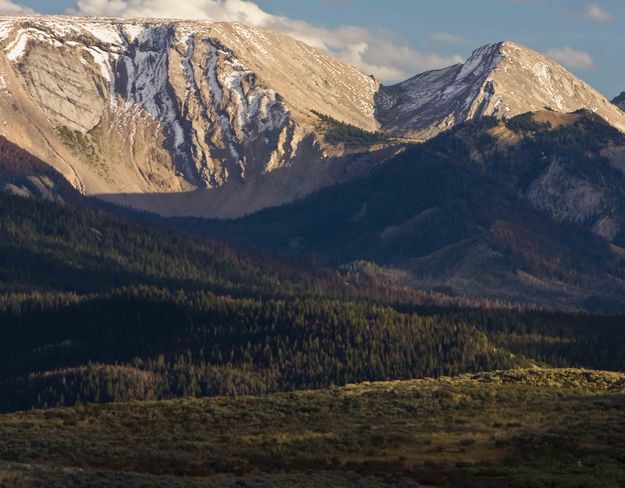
[(48, 247), (501, 80), (619, 101), (527, 209), (223, 101), (25, 175)]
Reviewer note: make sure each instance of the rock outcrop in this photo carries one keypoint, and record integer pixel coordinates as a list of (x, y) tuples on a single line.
[(619, 101)]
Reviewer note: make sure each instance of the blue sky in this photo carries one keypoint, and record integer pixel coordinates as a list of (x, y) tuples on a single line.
[(397, 38)]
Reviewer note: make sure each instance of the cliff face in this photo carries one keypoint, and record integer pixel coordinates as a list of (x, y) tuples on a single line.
[(153, 106)]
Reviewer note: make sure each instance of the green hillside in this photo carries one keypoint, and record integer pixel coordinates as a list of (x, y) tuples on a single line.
[(514, 429), (96, 308)]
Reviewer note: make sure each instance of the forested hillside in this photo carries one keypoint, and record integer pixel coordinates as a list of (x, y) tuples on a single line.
[(96, 308), (528, 210), (176, 344), (45, 246)]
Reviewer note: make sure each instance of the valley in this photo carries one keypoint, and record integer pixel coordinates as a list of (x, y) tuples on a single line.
[(230, 257)]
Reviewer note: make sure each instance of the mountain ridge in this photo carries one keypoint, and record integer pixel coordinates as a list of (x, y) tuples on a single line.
[(619, 100), (132, 109)]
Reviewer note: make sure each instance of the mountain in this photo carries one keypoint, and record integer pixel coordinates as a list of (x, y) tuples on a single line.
[(219, 119), (122, 106), (222, 119), (526, 209), (501, 80), (619, 101)]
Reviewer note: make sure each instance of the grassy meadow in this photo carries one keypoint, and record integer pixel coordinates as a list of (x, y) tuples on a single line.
[(519, 428)]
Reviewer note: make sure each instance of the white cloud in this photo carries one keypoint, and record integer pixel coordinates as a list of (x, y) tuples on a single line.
[(449, 38), (596, 13), (370, 52), (571, 58), (9, 8)]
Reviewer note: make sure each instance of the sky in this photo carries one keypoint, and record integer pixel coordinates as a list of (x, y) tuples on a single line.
[(396, 39)]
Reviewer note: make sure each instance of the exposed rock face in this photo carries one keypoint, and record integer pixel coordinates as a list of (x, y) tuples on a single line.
[(501, 80), (159, 106), (576, 179), (566, 197)]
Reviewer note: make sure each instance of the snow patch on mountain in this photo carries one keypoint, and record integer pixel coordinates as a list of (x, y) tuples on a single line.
[(104, 32)]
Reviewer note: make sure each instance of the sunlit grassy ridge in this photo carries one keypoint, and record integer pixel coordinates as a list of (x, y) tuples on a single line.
[(521, 428)]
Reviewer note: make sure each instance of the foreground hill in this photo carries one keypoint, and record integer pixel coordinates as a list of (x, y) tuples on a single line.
[(512, 429), (529, 209)]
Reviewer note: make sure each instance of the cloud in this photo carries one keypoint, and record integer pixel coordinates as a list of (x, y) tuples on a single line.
[(571, 58), (10, 8), (448, 38), (371, 52), (595, 13)]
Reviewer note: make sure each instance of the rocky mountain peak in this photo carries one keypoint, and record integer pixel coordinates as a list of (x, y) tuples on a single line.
[(226, 119), (503, 79)]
